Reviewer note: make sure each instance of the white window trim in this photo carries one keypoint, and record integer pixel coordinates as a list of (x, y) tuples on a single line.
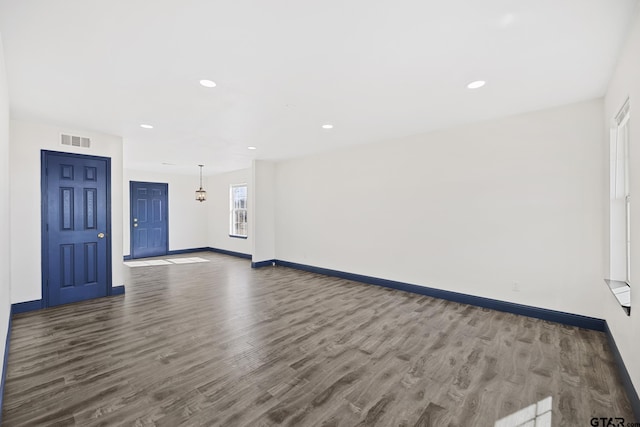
[(232, 210), (620, 209)]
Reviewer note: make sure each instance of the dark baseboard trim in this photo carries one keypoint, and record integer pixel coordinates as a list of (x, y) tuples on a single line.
[(624, 374), (232, 253), (5, 362), (509, 307), (23, 307), (187, 251), (260, 264), (127, 258), (117, 290)]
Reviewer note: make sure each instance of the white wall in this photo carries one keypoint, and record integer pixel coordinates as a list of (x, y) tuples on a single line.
[(480, 209), (217, 187), (624, 84), (187, 216), (263, 201), (26, 141), (5, 225)]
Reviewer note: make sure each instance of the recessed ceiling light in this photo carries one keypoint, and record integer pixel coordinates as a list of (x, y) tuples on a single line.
[(327, 126), (252, 148), (146, 126), (507, 19), (477, 84), (208, 83)]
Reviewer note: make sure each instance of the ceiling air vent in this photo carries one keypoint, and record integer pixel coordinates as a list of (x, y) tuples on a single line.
[(75, 141)]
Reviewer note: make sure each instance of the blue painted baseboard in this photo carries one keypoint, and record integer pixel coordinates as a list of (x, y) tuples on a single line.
[(624, 374), (509, 307), (232, 253), (117, 290), (23, 307), (187, 251), (260, 264), (5, 362)]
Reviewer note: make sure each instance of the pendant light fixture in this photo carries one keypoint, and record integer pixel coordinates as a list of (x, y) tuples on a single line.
[(201, 195)]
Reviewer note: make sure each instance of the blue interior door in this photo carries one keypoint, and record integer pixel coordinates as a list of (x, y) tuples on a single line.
[(149, 219), (76, 212)]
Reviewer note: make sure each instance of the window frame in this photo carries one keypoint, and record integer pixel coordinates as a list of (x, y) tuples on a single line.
[(619, 280), (619, 194), (234, 231)]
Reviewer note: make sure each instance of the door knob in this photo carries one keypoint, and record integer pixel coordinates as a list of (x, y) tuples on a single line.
[(135, 224), (100, 235), (135, 219)]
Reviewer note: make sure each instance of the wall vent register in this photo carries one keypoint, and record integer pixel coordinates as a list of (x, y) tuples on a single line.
[(75, 141)]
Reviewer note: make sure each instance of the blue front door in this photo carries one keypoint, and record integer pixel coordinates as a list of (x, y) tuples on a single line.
[(76, 241), (149, 219)]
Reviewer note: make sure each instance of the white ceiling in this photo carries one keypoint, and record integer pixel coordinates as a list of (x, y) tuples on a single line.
[(376, 69)]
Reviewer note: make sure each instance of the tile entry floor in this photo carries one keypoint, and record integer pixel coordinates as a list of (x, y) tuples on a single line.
[(150, 262)]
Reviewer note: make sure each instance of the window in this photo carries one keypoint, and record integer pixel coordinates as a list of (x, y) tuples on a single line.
[(620, 200), (238, 211), (620, 209)]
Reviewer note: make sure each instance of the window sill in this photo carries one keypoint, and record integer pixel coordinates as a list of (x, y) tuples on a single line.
[(237, 237), (622, 292)]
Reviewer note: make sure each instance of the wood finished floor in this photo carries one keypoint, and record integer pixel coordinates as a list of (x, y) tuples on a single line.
[(218, 343)]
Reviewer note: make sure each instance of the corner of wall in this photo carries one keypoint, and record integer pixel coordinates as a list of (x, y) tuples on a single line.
[(624, 84), (262, 199), (5, 226)]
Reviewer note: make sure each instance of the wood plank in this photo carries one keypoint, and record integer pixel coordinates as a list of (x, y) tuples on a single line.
[(218, 343)]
